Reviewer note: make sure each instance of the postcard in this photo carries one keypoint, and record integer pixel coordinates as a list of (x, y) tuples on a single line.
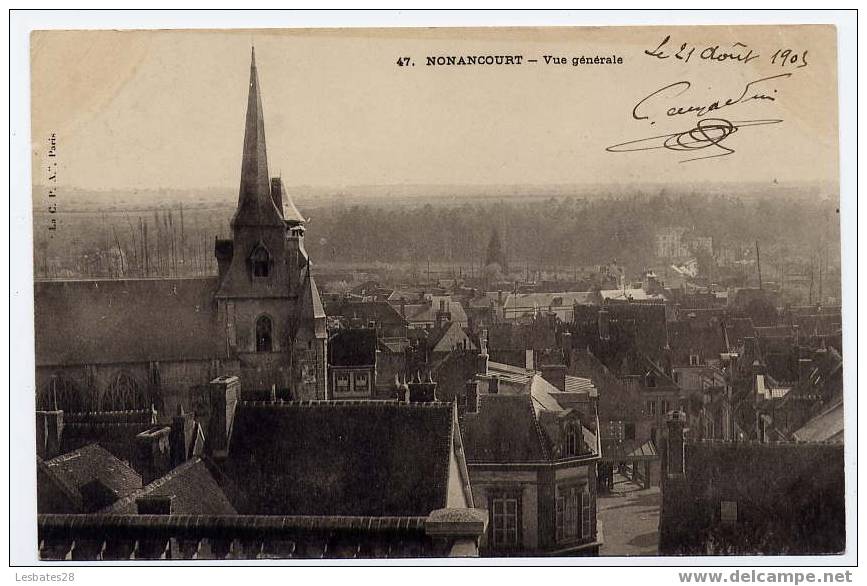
[(482, 293)]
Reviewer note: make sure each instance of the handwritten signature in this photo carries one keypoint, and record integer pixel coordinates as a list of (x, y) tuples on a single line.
[(709, 133), (649, 107)]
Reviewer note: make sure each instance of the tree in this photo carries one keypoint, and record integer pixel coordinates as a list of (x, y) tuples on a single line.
[(495, 254)]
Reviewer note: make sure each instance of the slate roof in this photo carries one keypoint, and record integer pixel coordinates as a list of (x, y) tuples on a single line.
[(703, 337), (379, 311), (372, 458), (738, 328), (427, 311), (790, 499), (628, 294), (827, 426), (90, 463), (128, 320), (505, 430), (192, 486), (355, 347), (578, 384), (444, 338), (518, 304)]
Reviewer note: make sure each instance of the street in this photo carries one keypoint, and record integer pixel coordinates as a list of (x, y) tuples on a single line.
[(629, 519)]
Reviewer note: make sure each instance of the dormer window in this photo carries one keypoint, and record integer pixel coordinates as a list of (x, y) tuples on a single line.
[(260, 261)]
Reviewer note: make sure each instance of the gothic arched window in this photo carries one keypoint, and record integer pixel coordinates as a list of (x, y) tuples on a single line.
[(263, 334), (63, 394), (124, 393), (260, 261)]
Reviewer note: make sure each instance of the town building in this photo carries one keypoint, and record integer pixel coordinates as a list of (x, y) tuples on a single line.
[(750, 498), (532, 463), (303, 480)]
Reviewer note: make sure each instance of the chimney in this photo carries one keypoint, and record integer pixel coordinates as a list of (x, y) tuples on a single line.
[(422, 391), (555, 374), (154, 505), (482, 365), (603, 322), (674, 443), (443, 315), (805, 367), (222, 398), (152, 453), (471, 397), (566, 343), (49, 432), (182, 436)]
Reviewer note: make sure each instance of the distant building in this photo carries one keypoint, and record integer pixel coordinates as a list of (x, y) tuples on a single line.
[(521, 306), (678, 243)]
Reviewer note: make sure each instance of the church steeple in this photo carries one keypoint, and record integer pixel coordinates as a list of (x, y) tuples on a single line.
[(255, 205)]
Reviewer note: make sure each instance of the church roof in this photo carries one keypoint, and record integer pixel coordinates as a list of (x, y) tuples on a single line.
[(255, 205), (128, 320)]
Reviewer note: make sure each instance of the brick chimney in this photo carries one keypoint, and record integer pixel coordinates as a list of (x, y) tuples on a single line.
[(471, 396), (222, 395), (49, 432), (674, 443), (603, 321), (422, 390), (152, 453), (555, 374), (805, 367)]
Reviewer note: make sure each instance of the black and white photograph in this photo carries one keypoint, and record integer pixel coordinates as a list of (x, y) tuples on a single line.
[(484, 294)]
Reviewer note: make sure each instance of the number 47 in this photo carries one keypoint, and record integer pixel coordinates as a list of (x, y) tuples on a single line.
[(403, 61)]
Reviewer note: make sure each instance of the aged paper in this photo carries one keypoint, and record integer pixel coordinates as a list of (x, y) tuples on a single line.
[(492, 292)]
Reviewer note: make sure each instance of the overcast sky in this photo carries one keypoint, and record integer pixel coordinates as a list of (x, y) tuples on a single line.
[(166, 109)]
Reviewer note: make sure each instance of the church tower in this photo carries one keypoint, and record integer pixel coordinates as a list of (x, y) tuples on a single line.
[(275, 322)]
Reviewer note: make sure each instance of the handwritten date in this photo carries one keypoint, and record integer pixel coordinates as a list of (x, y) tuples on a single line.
[(737, 52)]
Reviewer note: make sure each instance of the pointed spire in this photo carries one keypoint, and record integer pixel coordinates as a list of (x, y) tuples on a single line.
[(255, 206)]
